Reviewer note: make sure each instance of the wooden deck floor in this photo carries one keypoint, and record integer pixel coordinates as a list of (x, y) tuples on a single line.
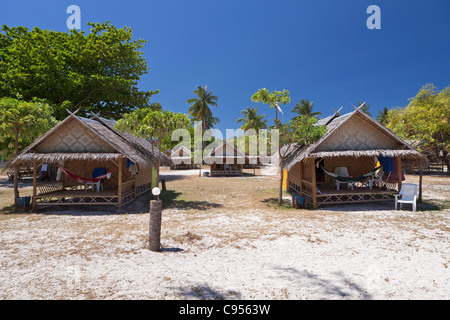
[(356, 190), (79, 193)]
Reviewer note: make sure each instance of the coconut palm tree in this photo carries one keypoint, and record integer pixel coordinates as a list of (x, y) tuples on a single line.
[(210, 121), (252, 120), (364, 108), (383, 115), (199, 109), (304, 108)]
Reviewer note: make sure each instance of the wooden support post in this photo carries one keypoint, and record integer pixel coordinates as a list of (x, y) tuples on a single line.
[(33, 200), (134, 187), (420, 184), (399, 173), (301, 178), (119, 184), (314, 184)]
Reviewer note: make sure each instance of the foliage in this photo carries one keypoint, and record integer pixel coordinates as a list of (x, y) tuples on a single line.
[(305, 131), (199, 109), (96, 72), (383, 116), (365, 107), (20, 123), (304, 108), (425, 120), (28, 120), (273, 99), (149, 123), (252, 120)]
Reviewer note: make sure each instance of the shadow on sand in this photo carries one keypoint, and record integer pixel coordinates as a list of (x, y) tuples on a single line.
[(343, 287), (170, 198)]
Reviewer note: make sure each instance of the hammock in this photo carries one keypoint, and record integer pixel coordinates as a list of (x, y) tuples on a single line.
[(85, 180), (351, 179)]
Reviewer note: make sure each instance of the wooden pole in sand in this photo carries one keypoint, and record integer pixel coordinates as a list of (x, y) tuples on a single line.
[(420, 184), (154, 241)]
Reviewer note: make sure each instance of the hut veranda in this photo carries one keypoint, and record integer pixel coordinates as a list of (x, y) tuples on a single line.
[(180, 158), (355, 145), (97, 165)]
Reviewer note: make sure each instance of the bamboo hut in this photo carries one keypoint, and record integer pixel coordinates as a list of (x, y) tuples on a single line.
[(181, 158), (356, 142), (80, 146), (225, 160)]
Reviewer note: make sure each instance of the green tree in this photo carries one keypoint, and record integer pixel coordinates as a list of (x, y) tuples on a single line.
[(94, 72), (274, 100), (153, 124), (426, 121), (383, 116), (210, 121), (304, 130), (21, 123), (304, 108), (252, 120), (365, 107), (199, 109)]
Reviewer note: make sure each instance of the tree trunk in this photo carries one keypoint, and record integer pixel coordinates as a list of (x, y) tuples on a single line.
[(280, 193), (446, 160), (420, 184), (159, 156), (16, 169), (153, 155)]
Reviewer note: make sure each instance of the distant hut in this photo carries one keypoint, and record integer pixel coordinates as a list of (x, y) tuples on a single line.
[(86, 150), (225, 160), (181, 158), (354, 146)]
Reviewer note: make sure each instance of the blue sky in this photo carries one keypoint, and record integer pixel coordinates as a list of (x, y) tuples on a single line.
[(320, 50)]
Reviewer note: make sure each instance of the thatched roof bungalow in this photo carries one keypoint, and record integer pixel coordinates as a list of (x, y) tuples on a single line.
[(225, 160), (181, 158), (80, 147), (354, 141)]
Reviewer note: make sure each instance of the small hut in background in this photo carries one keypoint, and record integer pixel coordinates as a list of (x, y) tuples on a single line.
[(225, 160), (86, 150), (181, 158), (354, 146)]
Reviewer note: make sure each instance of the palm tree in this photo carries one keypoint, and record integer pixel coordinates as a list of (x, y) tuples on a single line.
[(199, 109), (383, 116), (304, 108), (252, 120), (364, 108), (210, 121)]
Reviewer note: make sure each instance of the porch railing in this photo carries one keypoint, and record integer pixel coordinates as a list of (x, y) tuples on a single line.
[(49, 187)]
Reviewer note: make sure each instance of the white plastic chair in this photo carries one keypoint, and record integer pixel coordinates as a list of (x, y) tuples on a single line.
[(407, 194), (343, 172), (378, 177)]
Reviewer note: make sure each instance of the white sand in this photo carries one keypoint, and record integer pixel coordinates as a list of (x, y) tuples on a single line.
[(324, 254), (380, 255)]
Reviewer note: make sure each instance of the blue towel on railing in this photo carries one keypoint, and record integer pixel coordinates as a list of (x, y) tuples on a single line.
[(386, 162)]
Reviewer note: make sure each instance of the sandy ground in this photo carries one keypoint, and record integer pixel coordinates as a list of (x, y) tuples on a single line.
[(223, 238)]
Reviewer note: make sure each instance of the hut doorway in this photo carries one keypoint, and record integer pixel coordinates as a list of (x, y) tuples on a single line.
[(320, 174)]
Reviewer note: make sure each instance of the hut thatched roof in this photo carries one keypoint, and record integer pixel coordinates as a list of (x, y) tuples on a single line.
[(355, 134), (77, 138), (224, 150)]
